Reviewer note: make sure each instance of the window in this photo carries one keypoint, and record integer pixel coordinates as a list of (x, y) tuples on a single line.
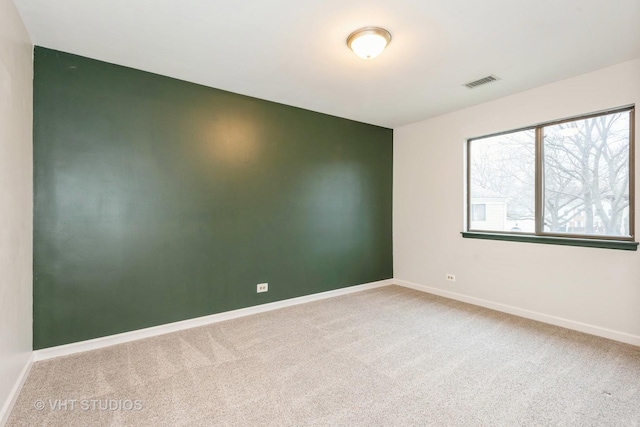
[(478, 212), (563, 181)]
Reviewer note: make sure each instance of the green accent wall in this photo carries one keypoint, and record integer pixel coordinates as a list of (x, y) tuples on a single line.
[(158, 200)]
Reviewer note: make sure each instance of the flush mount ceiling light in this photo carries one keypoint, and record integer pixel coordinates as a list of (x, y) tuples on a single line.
[(368, 42)]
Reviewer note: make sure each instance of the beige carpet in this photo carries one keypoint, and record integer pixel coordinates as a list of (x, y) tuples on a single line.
[(389, 356)]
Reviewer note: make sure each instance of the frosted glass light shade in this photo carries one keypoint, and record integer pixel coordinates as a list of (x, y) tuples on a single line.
[(368, 42)]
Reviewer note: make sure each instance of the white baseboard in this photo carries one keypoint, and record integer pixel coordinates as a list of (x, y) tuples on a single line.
[(534, 315), (15, 392), (93, 344)]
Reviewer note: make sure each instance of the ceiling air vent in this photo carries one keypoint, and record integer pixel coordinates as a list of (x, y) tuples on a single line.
[(483, 81)]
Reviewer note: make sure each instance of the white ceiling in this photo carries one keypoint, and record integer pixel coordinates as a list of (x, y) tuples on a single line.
[(294, 51)]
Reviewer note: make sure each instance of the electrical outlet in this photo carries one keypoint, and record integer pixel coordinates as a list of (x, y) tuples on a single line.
[(262, 287), (451, 277)]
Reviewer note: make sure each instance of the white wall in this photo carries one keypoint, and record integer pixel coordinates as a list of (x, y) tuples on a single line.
[(597, 287), (16, 195)]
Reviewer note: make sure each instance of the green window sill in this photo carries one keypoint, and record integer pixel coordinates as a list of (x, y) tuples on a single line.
[(567, 241)]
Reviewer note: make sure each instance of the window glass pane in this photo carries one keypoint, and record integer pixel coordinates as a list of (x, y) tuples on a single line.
[(479, 212), (586, 176), (502, 178)]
